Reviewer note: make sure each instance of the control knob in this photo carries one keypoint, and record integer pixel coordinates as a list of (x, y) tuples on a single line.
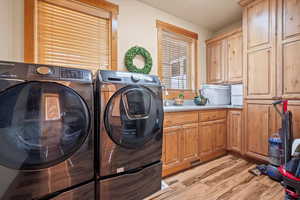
[(135, 78), (44, 70)]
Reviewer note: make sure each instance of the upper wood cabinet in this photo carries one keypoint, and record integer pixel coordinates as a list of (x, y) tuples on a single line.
[(258, 23), (215, 60), (235, 58), (259, 46), (290, 16), (235, 132), (224, 58), (288, 58)]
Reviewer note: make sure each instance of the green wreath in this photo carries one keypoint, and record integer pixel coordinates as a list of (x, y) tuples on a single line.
[(132, 53)]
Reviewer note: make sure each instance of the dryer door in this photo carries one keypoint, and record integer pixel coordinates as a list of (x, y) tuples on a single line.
[(133, 116), (41, 124)]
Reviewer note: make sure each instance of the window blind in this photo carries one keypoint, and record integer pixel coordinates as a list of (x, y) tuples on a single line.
[(175, 61), (68, 37)]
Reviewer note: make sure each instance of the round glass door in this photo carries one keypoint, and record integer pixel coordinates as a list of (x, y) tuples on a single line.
[(41, 124), (133, 116)]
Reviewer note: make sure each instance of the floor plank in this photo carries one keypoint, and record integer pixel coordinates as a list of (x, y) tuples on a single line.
[(226, 178)]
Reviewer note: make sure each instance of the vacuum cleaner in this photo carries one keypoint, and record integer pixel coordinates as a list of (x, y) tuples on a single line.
[(284, 155), (290, 169)]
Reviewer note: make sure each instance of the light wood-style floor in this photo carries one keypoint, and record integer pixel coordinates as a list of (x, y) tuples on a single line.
[(226, 178)]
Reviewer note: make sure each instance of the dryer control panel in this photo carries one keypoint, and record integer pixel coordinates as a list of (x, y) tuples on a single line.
[(75, 74), (28, 71)]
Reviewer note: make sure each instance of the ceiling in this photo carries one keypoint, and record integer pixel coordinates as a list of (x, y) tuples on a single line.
[(211, 14)]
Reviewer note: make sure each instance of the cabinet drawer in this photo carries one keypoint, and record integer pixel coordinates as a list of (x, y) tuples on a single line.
[(212, 115), (180, 118)]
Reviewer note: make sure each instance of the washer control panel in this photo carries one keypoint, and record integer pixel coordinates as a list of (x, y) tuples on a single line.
[(128, 78)]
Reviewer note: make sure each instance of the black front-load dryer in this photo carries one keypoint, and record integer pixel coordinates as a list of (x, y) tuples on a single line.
[(46, 130)]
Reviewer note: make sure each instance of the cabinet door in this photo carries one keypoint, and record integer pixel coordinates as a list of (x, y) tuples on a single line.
[(235, 58), (206, 139), (220, 135), (190, 142), (215, 59), (259, 74), (234, 141), (291, 17), (288, 49), (171, 147), (294, 107), (260, 125), (260, 49), (258, 23)]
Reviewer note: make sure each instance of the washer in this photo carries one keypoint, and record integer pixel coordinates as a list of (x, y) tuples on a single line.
[(46, 131), (129, 115)]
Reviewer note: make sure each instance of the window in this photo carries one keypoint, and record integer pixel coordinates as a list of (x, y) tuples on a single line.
[(70, 33), (177, 60)]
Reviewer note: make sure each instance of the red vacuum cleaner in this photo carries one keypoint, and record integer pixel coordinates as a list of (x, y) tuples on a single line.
[(290, 168)]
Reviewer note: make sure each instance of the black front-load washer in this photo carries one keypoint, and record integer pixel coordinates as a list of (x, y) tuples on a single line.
[(129, 117), (46, 130)]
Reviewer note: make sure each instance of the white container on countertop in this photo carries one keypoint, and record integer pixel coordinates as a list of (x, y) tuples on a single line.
[(237, 100), (237, 95), (237, 89), (217, 94)]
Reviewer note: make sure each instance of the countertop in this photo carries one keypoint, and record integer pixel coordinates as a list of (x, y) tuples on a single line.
[(195, 107)]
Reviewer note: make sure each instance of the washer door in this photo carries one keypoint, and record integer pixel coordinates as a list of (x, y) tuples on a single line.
[(133, 116), (41, 124)]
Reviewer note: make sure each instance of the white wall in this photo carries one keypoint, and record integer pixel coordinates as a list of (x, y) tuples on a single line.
[(137, 26), (11, 30), (229, 28)]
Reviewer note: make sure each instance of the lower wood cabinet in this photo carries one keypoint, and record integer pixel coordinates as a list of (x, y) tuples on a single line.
[(260, 124), (189, 139), (212, 139), (235, 131), (180, 148), (220, 135), (197, 137), (294, 107), (171, 147)]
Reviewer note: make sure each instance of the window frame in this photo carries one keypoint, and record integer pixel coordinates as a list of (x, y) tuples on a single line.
[(189, 36), (30, 28)]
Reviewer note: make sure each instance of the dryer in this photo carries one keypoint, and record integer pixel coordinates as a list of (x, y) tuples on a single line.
[(129, 116), (46, 131)]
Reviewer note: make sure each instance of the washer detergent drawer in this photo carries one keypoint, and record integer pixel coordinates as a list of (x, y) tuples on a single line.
[(132, 186)]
